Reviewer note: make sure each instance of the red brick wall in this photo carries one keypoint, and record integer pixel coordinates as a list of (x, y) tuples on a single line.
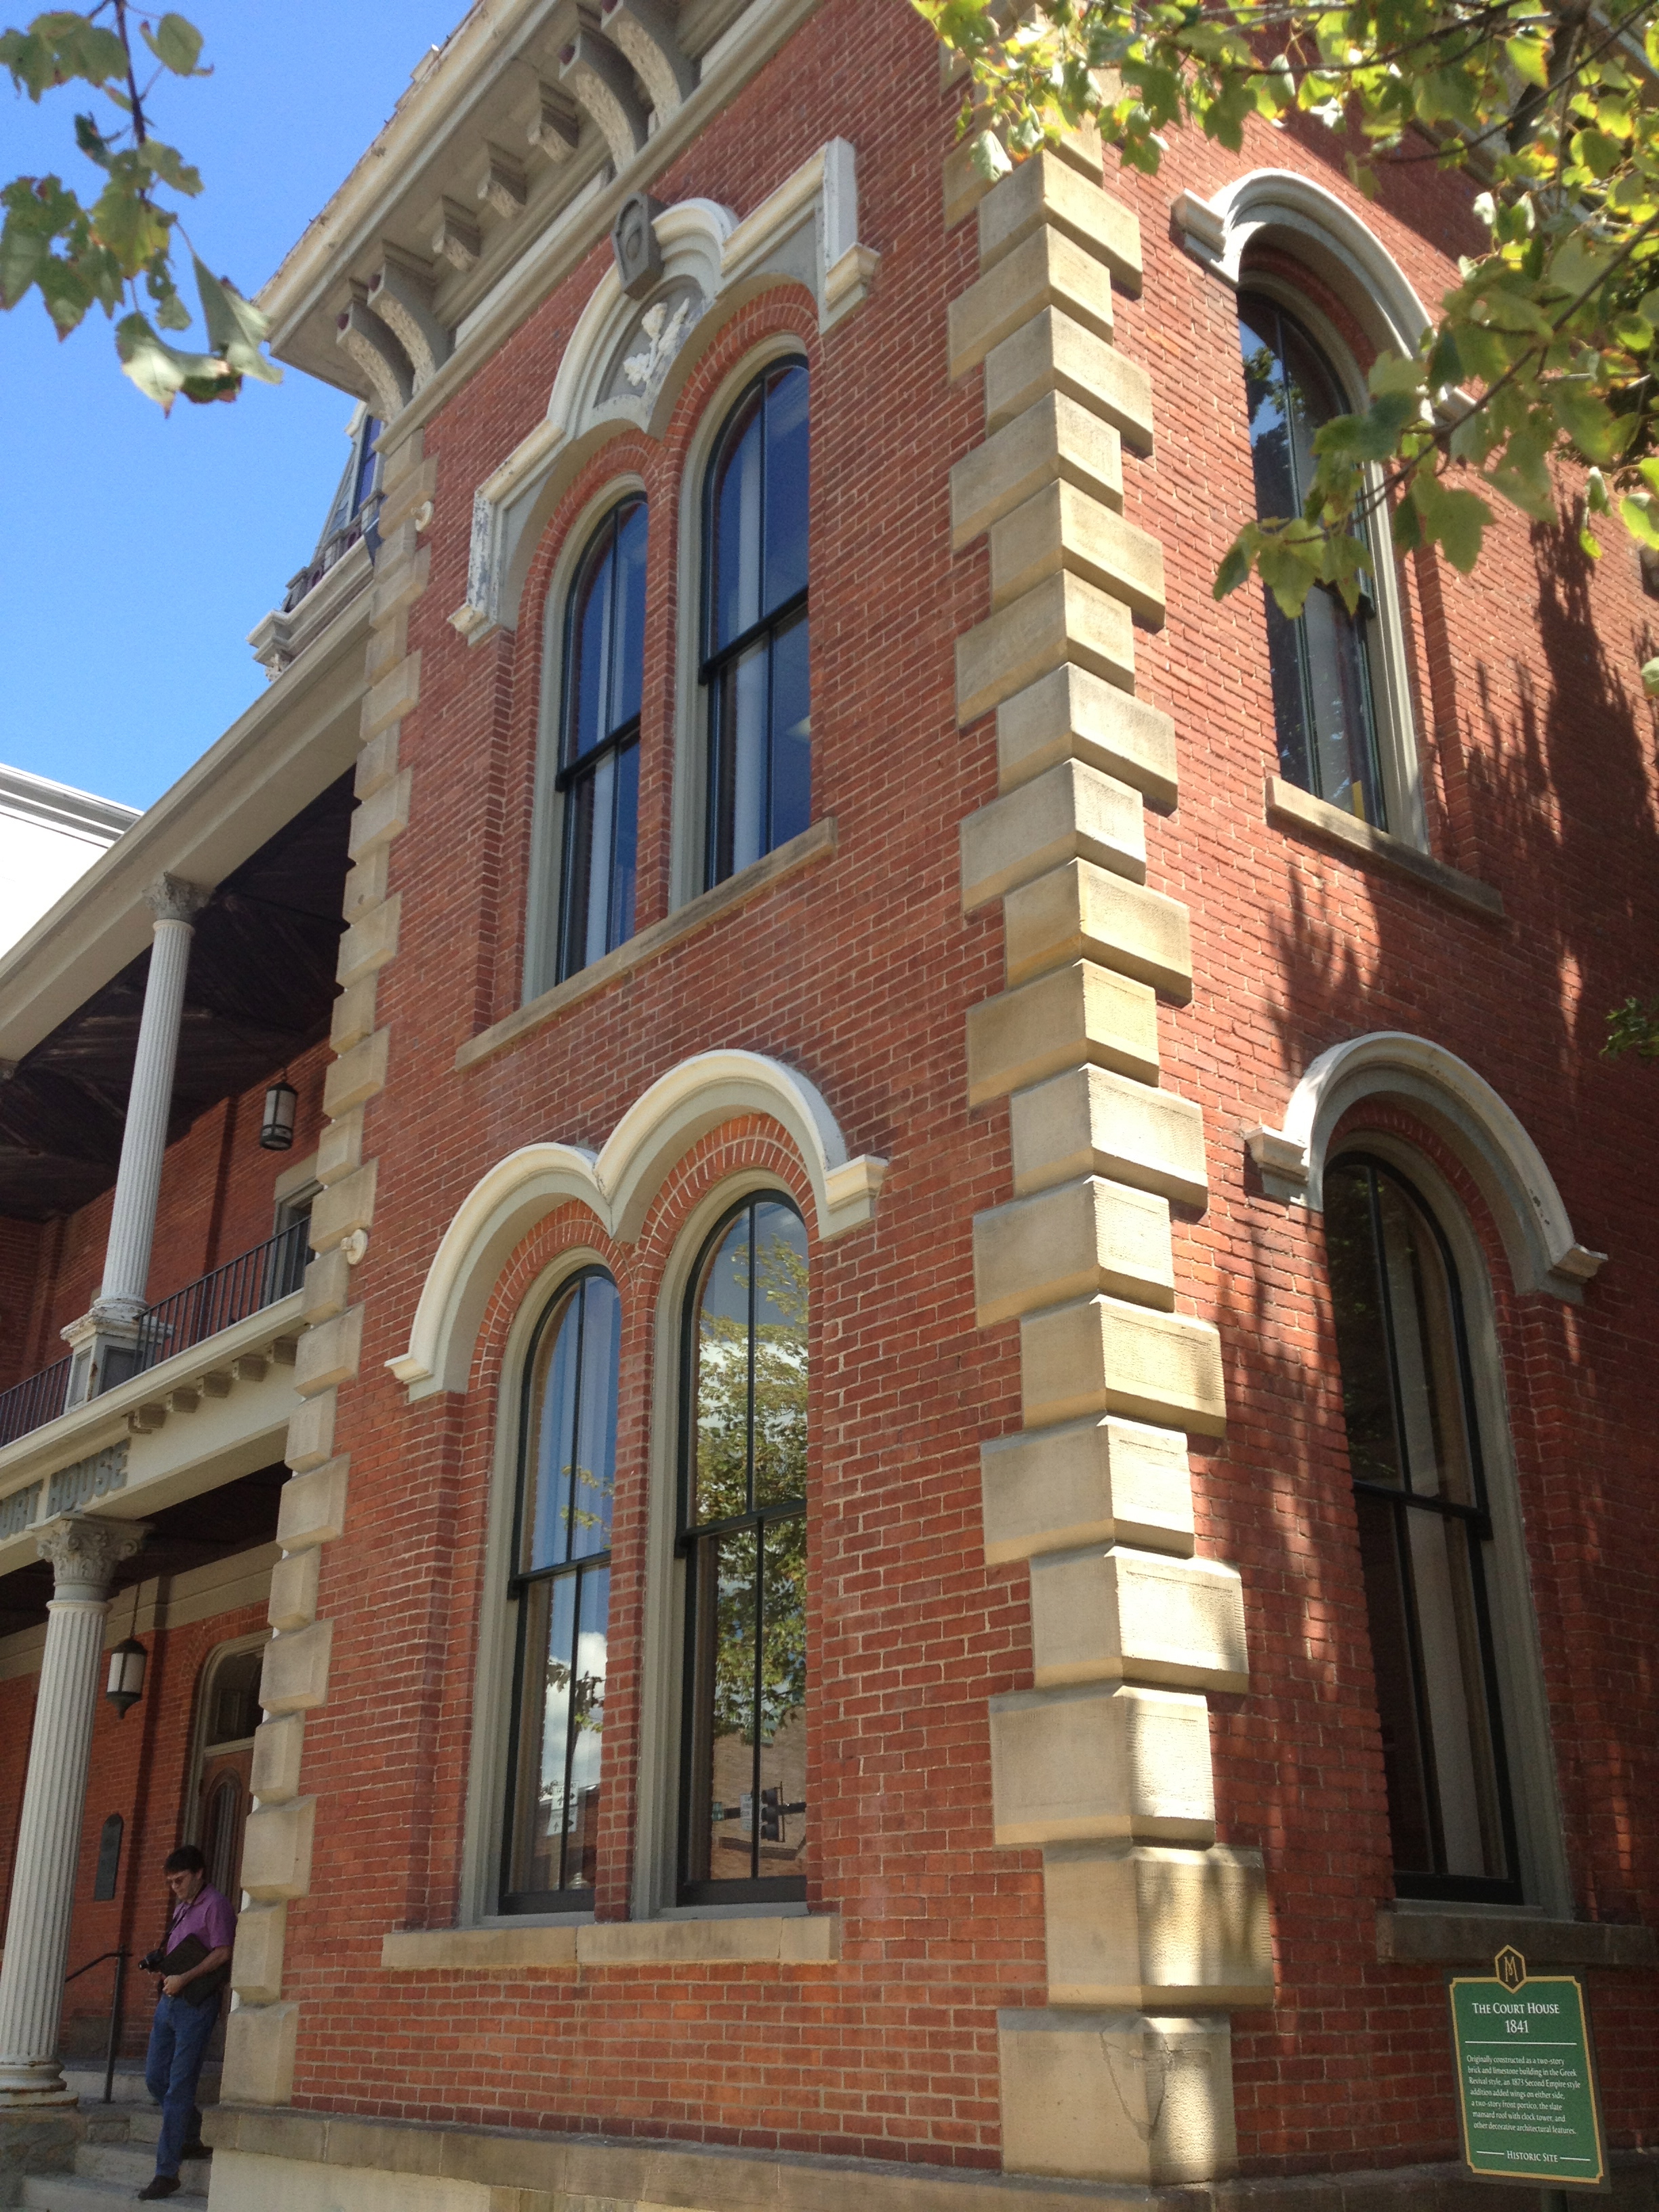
[(1537, 758)]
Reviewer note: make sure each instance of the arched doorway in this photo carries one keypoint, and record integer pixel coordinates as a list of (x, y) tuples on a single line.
[(220, 1799)]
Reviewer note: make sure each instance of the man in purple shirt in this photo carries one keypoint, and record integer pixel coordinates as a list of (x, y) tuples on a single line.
[(187, 2011)]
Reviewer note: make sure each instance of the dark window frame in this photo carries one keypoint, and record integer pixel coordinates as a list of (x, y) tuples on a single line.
[(584, 768), (1366, 623), (1476, 1521), (693, 1542), (519, 1582), (712, 660)]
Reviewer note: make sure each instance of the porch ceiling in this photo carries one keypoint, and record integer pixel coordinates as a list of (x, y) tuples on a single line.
[(260, 987), (216, 1524)]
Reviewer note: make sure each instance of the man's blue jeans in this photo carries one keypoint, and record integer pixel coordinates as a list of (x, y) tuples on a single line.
[(173, 2067)]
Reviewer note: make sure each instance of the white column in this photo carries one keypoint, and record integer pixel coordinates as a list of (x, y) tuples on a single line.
[(145, 1140), (84, 1552)]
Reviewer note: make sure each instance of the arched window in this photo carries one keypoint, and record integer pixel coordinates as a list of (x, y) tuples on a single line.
[(743, 1831), (598, 775), (1328, 691), (1425, 1535), (559, 1586), (755, 626)]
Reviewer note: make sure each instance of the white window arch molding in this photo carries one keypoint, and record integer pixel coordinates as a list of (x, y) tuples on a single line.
[(1279, 208), (628, 360), (547, 806), (1311, 226), (617, 1185), (1459, 1106)]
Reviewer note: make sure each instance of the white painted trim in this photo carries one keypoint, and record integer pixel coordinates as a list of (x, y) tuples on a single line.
[(1544, 1254), (727, 261), (617, 1185), (1281, 206)]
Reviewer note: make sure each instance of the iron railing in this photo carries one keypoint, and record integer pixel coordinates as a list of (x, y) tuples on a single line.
[(120, 1959), (242, 1286), (32, 1404), (333, 548), (229, 1294)]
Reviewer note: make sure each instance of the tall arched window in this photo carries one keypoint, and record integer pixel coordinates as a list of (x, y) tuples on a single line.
[(1327, 685), (1425, 1535), (560, 1586), (743, 1829), (755, 626), (600, 739)]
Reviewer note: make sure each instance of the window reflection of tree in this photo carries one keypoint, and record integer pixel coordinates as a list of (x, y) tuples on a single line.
[(746, 1545)]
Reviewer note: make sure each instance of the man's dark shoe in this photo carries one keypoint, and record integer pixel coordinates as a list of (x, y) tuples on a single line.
[(196, 2149), (165, 2185)]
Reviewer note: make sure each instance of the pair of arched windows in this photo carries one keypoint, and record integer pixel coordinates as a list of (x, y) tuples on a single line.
[(741, 1551), (753, 672)]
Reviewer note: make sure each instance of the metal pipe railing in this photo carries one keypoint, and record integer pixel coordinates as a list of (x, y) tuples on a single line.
[(110, 2048)]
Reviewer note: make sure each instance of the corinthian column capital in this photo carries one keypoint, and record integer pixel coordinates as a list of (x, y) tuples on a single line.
[(85, 1549), (170, 898)]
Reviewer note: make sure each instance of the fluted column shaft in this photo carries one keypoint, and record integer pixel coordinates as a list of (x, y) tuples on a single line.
[(149, 1102), (84, 1552)]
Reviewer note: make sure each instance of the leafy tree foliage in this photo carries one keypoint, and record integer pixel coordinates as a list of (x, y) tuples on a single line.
[(81, 253), (775, 1414), (1544, 350), (1545, 346)]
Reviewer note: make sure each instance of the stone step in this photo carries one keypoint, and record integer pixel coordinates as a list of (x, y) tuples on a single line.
[(133, 2164), (75, 2192)]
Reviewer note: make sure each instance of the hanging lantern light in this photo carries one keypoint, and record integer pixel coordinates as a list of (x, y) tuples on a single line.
[(125, 1685), (277, 1130)]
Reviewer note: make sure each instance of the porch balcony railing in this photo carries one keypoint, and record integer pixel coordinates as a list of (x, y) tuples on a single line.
[(32, 1404), (242, 1286)]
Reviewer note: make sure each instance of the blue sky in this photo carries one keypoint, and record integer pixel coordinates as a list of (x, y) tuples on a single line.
[(137, 551)]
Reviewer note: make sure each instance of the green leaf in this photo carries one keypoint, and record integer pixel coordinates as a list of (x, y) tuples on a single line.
[(160, 370), (1586, 420), (1638, 516), (1393, 376), (1528, 60), (1650, 678), (172, 169), (236, 329), (1234, 570), (1459, 521), (176, 43)]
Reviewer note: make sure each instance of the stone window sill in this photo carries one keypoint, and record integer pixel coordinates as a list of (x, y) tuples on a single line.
[(1448, 1935), (812, 844), (1295, 809), (811, 1940)]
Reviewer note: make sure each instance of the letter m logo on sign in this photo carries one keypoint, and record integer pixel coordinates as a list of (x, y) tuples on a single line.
[(1509, 1967)]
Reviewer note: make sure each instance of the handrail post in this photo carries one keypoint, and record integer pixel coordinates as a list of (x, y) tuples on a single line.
[(114, 2028)]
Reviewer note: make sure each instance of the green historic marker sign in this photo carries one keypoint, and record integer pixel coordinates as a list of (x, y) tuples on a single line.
[(1526, 2081)]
